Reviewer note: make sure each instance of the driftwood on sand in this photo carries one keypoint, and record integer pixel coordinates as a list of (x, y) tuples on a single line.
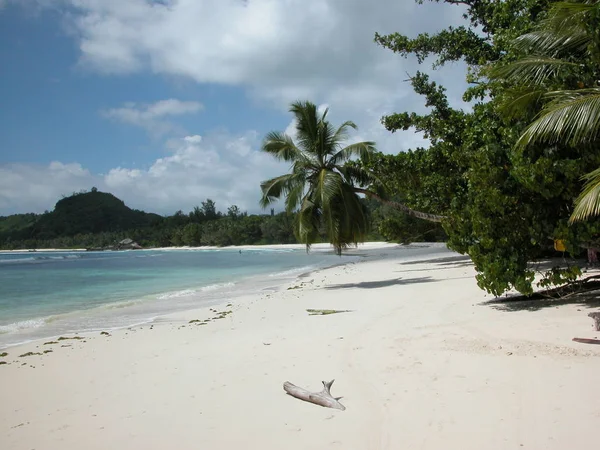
[(586, 340), (323, 398)]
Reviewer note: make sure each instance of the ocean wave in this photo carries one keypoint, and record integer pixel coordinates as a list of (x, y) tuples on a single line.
[(16, 260), (22, 325), (294, 271), (38, 259), (120, 305), (190, 292), (213, 287), (60, 257), (176, 294), (269, 250)]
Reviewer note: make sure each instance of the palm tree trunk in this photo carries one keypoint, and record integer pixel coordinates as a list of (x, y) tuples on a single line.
[(401, 207)]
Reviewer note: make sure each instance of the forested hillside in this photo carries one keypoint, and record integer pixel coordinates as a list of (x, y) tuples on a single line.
[(99, 220)]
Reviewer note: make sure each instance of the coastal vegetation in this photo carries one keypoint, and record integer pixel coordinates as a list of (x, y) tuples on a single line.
[(321, 189), (69, 225), (100, 220), (506, 167)]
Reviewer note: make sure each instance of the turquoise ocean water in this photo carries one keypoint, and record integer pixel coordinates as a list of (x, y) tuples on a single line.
[(45, 294)]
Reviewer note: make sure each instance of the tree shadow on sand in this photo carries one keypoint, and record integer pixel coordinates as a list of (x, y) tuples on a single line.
[(382, 283), (589, 298), (450, 262), (457, 261)]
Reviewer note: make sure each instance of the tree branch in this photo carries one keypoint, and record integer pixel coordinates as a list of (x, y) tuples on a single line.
[(400, 206)]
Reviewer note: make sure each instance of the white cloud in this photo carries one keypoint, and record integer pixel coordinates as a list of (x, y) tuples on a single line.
[(226, 168), (32, 188), (153, 116), (279, 51)]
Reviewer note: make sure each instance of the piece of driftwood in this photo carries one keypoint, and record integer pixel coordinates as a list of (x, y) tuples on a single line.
[(323, 398), (587, 341), (596, 317)]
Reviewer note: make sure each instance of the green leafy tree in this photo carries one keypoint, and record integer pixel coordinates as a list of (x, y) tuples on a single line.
[(234, 212), (191, 234), (197, 215), (560, 69), (320, 186), (209, 209), (278, 229), (504, 208)]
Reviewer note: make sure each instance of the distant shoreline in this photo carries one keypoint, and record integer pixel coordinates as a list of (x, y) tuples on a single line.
[(319, 246)]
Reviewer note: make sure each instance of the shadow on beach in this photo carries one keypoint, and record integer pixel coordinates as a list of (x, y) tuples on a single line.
[(450, 261), (382, 283), (537, 302)]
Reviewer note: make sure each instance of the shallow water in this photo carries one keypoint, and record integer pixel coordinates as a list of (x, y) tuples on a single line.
[(49, 293)]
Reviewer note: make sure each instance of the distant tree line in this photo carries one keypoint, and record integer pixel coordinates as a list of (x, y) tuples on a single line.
[(98, 220)]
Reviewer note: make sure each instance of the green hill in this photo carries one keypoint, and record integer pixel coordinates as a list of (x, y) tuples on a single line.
[(90, 212), (17, 223), (84, 213)]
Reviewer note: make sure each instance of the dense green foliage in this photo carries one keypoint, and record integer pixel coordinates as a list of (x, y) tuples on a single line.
[(100, 220), (89, 213), (324, 182), (389, 224), (559, 69), (504, 206)]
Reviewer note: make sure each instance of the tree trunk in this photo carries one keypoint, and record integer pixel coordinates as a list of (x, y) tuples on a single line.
[(322, 398), (401, 207)]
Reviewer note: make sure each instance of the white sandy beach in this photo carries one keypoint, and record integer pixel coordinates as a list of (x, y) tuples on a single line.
[(420, 361)]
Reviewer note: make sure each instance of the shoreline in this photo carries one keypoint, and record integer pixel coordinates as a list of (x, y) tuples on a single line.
[(421, 359), (207, 294), (319, 246)]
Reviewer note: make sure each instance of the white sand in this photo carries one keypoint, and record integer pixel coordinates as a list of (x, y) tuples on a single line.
[(420, 362)]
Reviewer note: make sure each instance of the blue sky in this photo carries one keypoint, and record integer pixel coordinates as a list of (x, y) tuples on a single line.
[(165, 103)]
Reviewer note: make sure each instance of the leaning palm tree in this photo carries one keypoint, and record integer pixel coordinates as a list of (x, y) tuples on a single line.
[(320, 187), (556, 71)]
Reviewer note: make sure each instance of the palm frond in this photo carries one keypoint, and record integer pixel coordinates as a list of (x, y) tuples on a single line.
[(568, 15), (274, 188), (294, 195), (342, 133), (306, 125), (573, 117), (326, 187), (562, 31), (281, 146), (323, 117), (307, 222), (325, 145), (551, 42), (364, 150), (357, 176), (352, 223), (520, 101), (531, 69), (588, 203)]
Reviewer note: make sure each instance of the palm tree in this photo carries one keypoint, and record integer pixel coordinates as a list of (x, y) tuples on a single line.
[(323, 189), (556, 71)]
